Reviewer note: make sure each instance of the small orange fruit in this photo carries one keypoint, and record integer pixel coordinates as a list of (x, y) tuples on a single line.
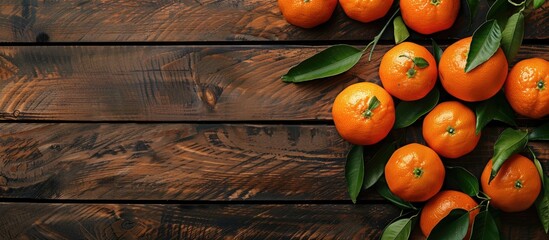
[(441, 205), (366, 10), (363, 113), (526, 88), (414, 173), (408, 71), (450, 129), (429, 16), (307, 13), (515, 187), (479, 84)]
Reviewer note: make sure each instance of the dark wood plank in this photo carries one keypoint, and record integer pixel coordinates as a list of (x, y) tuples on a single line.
[(171, 161), (154, 221), (171, 83), (203, 20), (189, 162), (216, 221)]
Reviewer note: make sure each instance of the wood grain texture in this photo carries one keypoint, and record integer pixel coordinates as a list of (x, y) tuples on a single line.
[(217, 221), (172, 83), (171, 161), (189, 162), (202, 20)]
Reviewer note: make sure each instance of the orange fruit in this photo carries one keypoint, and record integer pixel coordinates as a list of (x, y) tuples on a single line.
[(481, 83), (526, 87), (449, 129), (515, 187), (429, 16), (356, 116), (366, 10), (414, 173), (441, 205), (307, 13), (404, 74)]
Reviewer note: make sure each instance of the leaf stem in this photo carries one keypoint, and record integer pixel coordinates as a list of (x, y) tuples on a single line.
[(516, 4), (481, 204), (487, 205), (373, 43), (484, 197)]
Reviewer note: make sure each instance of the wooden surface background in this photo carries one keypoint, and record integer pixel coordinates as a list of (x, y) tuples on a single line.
[(195, 20), (168, 120)]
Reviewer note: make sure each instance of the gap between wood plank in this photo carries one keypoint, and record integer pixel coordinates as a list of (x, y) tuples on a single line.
[(202, 202), (425, 41), (523, 122)]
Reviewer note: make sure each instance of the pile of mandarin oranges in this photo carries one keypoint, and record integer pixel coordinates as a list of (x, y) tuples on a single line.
[(364, 113)]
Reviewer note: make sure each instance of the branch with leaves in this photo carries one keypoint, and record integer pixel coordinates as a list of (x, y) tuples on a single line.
[(503, 28), (510, 142)]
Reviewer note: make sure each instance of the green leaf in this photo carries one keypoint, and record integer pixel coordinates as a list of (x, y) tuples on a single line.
[(540, 171), (398, 230), (409, 112), (542, 207), (383, 190), (354, 171), (538, 4), (418, 61), (495, 108), (400, 31), (472, 8), (436, 50), (545, 183), (485, 43), (540, 133), (508, 143), (330, 62), (452, 227), (539, 167), (496, 215), (421, 62), (459, 178), (372, 105), (511, 37), (542, 202), (376, 165), (484, 227)]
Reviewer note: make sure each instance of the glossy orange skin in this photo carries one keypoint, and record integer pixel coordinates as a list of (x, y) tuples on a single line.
[(438, 135), (441, 205), (481, 83), (425, 17), (393, 69), (505, 196), (366, 10), (523, 90), (349, 107), (402, 180), (307, 13)]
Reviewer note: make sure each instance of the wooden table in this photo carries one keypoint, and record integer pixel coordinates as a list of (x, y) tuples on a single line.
[(168, 120)]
